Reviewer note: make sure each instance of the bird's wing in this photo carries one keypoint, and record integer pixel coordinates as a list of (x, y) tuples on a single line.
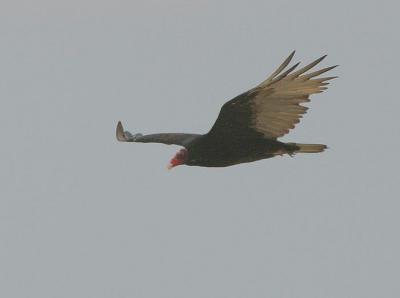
[(181, 139), (274, 106)]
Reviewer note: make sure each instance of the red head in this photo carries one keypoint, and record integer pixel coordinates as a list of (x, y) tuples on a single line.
[(179, 159)]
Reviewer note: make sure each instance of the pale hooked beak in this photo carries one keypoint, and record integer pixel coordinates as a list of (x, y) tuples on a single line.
[(170, 166)]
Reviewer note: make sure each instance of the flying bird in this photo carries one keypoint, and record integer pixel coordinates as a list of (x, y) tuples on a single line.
[(248, 126)]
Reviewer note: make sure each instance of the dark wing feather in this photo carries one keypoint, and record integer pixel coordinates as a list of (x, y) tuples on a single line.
[(181, 139), (274, 106)]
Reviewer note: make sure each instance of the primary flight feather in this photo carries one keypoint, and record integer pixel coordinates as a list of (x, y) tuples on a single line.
[(248, 126)]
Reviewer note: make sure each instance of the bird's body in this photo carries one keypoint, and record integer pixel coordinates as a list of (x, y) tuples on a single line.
[(210, 151), (248, 126)]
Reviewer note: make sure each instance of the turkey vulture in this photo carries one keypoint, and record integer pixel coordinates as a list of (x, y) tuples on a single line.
[(248, 126)]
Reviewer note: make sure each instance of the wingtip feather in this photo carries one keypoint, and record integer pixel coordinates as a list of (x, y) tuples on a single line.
[(120, 132)]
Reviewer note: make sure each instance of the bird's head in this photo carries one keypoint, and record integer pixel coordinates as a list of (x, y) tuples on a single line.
[(180, 158)]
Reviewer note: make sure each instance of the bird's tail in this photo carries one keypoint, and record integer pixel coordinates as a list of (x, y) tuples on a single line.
[(310, 148)]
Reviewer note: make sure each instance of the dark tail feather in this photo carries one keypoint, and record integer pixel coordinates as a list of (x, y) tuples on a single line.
[(310, 148)]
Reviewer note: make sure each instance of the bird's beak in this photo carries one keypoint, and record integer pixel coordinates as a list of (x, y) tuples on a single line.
[(170, 166)]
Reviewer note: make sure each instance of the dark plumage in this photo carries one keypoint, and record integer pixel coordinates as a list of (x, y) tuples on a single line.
[(248, 126)]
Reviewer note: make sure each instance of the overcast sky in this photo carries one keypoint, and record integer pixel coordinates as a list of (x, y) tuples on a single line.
[(83, 216)]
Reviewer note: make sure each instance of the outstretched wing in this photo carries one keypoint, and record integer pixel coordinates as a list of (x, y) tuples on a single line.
[(274, 107), (181, 139)]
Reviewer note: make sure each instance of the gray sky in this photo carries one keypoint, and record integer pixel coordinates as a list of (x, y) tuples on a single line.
[(84, 216)]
